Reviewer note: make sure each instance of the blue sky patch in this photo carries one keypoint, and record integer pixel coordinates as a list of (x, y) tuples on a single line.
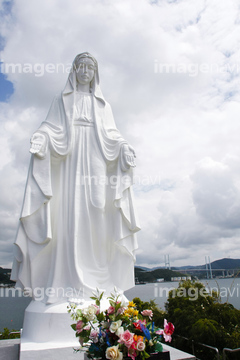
[(6, 88)]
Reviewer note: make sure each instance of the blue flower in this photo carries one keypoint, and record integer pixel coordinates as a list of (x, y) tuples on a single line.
[(146, 332)]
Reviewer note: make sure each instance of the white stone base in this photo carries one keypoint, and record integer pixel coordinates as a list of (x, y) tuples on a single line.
[(49, 326)]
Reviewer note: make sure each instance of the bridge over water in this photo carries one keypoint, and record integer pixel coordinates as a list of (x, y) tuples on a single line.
[(225, 272)]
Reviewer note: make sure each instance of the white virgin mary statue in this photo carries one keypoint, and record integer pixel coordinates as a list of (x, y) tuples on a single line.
[(78, 221)]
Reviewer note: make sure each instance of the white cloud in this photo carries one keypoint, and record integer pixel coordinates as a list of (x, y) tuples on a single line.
[(184, 124), (215, 194)]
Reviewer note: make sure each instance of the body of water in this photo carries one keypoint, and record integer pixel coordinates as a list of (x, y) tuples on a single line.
[(12, 305), (12, 309), (228, 289)]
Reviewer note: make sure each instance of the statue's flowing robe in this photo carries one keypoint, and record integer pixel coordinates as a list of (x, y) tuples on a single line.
[(78, 222)]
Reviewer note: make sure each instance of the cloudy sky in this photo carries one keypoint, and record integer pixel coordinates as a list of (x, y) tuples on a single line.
[(170, 70)]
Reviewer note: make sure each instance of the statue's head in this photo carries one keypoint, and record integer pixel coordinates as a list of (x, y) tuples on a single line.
[(80, 63), (85, 67)]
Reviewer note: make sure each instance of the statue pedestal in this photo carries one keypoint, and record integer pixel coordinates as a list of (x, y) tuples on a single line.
[(47, 327)]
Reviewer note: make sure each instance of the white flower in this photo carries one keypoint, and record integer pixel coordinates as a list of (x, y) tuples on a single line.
[(112, 353), (119, 331), (115, 325), (90, 312), (140, 346), (105, 325)]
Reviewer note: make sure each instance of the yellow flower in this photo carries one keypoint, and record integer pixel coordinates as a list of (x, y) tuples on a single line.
[(135, 313), (128, 311), (131, 312), (131, 304)]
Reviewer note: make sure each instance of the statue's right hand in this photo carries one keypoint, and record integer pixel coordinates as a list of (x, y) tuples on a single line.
[(38, 144)]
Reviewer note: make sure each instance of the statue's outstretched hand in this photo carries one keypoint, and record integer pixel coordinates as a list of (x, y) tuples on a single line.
[(38, 144), (129, 155)]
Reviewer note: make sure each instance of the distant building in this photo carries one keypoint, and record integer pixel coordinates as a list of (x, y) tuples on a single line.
[(183, 278)]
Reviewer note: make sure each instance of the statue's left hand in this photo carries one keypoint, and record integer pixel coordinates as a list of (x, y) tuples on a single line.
[(38, 144), (129, 155)]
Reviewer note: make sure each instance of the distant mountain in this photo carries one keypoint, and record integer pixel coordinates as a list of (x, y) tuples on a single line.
[(142, 268), (225, 263), (144, 274)]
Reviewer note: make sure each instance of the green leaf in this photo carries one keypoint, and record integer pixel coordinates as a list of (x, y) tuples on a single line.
[(158, 347), (112, 303), (100, 317), (118, 306), (73, 327), (146, 355), (79, 313)]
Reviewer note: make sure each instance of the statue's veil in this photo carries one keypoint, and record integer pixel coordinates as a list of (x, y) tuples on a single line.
[(71, 85)]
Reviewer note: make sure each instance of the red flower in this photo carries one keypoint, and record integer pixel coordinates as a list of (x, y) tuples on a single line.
[(168, 328), (138, 323)]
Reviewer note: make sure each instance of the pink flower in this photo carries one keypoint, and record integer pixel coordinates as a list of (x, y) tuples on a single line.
[(111, 310), (168, 327), (126, 338), (148, 313), (94, 336), (167, 332), (79, 326), (87, 327), (121, 310), (132, 353)]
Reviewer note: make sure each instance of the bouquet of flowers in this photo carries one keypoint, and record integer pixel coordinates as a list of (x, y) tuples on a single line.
[(119, 331)]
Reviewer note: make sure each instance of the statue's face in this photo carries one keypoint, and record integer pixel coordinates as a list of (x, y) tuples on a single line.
[(85, 71)]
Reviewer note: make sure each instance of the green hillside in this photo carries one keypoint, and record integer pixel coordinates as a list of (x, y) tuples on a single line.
[(152, 275), (5, 277)]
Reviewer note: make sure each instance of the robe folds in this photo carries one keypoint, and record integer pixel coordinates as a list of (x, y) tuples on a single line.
[(78, 221)]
